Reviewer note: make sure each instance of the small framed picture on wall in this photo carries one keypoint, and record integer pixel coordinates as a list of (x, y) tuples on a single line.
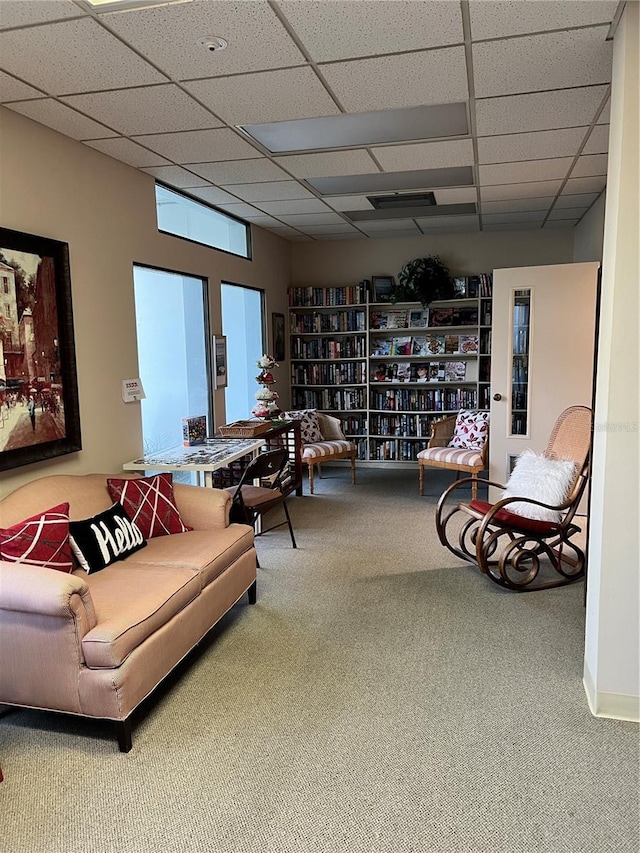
[(219, 355), (382, 286), (277, 322)]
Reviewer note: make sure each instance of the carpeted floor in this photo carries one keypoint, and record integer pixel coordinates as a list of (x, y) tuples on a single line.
[(379, 698)]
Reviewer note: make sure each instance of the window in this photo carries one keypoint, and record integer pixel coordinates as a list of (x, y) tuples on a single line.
[(183, 216), (5, 283)]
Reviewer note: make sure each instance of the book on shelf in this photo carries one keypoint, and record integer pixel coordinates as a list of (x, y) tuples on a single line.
[(194, 430), (472, 286)]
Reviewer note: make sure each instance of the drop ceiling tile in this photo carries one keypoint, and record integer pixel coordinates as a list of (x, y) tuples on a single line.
[(213, 195), (264, 221), (145, 109), (428, 223), (357, 162), (128, 152), (461, 227), (357, 235), (336, 228), (538, 110), (536, 170), (519, 216), (204, 146), (539, 145), (503, 18), (304, 219), (598, 142), (168, 36), (61, 118), (253, 171), (568, 213), (409, 80), (605, 115), (281, 95), (560, 223), (17, 13), (349, 202), (303, 205), (517, 205), (289, 233), (590, 164), (244, 211), (584, 185), (576, 200), (388, 225), (73, 56), (272, 191), (341, 30), (176, 176), (538, 63), (512, 226), (425, 155), (532, 189), (15, 90), (456, 195)]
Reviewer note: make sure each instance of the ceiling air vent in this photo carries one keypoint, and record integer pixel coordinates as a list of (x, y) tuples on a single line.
[(400, 202)]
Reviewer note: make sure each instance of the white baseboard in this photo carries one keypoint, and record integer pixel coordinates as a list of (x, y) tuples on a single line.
[(616, 706)]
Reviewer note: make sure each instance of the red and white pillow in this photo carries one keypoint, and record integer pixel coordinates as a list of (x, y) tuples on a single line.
[(42, 540), (149, 503), (309, 425), (471, 430)]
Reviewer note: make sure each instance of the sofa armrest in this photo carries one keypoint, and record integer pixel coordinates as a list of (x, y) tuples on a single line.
[(202, 508), (46, 592)]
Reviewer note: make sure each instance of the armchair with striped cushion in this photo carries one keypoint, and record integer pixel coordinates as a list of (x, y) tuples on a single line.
[(460, 443), (327, 443)]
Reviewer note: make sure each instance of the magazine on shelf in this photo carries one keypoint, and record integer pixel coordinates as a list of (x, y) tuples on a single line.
[(419, 319), (420, 372), (455, 371), (397, 320), (468, 344), (378, 320), (382, 346), (401, 346), (451, 344), (403, 372)]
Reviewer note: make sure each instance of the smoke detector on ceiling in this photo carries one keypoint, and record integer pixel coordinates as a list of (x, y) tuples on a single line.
[(212, 43)]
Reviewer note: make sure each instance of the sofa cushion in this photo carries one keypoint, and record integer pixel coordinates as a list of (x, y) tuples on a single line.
[(41, 540), (132, 605), (326, 448), (104, 538), (150, 503), (205, 553)]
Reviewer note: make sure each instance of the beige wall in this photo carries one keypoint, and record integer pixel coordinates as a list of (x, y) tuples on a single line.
[(349, 261), (54, 187), (589, 234)]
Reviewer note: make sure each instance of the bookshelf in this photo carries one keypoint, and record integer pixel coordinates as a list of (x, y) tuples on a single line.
[(389, 370)]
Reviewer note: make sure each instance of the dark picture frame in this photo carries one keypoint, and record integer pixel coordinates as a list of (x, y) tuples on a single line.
[(381, 287), (39, 410), (277, 328)]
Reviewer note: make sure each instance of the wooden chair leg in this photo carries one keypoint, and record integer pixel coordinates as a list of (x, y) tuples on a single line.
[(474, 486), (421, 469), (319, 471), (311, 478)]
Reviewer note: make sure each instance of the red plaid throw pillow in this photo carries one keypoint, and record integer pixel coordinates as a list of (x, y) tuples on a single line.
[(149, 503), (42, 540)]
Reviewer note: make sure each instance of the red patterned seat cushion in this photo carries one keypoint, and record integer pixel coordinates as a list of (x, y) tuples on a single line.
[(471, 430), (42, 540), (519, 522), (149, 503)]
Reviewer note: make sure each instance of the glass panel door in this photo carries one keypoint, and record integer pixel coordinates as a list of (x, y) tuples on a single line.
[(243, 325), (521, 310)]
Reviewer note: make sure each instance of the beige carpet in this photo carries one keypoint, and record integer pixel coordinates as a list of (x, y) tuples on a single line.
[(379, 698)]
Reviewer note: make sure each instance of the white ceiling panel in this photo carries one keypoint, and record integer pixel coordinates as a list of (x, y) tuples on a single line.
[(519, 216), (560, 223), (336, 228), (576, 200), (388, 225), (456, 195), (289, 233), (584, 185), (590, 164), (568, 213), (356, 235), (17, 13), (14, 90), (409, 80), (517, 205), (425, 155), (538, 110), (605, 115), (176, 176), (536, 63), (539, 145), (369, 27), (129, 152), (429, 222), (73, 56), (199, 146), (500, 18), (598, 142), (512, 226), (271, 191), (356, 162), (282, 95), (168, 36), (303, 219), (213, 195), (245, 211), (239, 172), (536, 170), (61, 118), (349, 202), (531, 189), (145, 109), (460, 228), (302, 205)]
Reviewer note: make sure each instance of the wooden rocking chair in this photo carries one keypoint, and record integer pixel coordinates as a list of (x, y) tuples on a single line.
[(508, 547)]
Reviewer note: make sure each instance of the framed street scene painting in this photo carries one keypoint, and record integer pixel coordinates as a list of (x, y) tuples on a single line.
[(39, 413), (277, 321)]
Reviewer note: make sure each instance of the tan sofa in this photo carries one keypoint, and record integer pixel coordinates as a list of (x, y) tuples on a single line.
[(96, 645)]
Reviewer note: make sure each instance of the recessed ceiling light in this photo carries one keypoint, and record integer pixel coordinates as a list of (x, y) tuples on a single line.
[(126, 5)]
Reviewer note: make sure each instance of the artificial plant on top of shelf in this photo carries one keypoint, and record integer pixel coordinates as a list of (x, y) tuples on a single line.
[(423, 280)]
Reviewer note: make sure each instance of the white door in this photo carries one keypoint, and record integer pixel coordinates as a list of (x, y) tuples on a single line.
[(543, 342)]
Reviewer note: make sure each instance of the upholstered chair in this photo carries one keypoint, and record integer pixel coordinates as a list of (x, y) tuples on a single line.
[(323, 441), (460, 443)]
